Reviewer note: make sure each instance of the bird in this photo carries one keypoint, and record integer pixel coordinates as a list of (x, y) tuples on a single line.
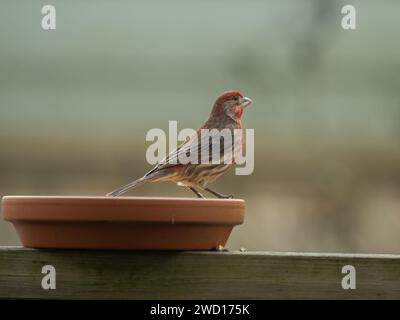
[(226, 115)]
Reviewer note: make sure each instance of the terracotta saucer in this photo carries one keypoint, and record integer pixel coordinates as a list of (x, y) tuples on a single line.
[(123, 222)]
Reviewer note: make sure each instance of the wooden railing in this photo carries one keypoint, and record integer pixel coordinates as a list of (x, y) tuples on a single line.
[(195, 275)]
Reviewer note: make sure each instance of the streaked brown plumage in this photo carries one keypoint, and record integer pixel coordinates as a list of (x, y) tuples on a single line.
[(226, 114)]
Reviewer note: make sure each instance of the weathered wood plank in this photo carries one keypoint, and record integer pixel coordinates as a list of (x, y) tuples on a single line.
[(195, 275)]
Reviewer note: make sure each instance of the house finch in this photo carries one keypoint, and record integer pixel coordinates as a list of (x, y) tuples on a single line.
[(225, 116)]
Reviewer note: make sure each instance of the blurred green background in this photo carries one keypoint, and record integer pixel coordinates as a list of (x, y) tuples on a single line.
[(76, 103)]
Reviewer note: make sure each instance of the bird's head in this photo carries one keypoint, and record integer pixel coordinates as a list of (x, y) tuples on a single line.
[(231, 103)]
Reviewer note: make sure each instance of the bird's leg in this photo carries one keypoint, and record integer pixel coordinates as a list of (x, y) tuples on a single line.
[(219, 195), (198, 194)]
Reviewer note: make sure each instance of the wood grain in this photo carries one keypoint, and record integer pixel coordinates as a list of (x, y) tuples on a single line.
[(195, 275)]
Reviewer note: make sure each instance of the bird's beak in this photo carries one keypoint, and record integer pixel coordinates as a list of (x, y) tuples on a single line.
[(246, 102)]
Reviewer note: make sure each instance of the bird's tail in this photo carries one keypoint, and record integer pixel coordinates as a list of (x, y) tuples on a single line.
[(129, 186)]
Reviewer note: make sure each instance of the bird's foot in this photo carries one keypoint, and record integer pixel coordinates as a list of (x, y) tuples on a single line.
[(226, 196), (219, 195)]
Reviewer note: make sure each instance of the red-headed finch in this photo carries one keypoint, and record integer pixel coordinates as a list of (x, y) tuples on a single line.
[(225, 117)]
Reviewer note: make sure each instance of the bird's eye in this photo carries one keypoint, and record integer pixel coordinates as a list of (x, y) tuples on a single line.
[(236, 98)]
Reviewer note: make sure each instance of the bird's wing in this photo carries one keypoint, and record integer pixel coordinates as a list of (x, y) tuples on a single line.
[(210, 147)]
